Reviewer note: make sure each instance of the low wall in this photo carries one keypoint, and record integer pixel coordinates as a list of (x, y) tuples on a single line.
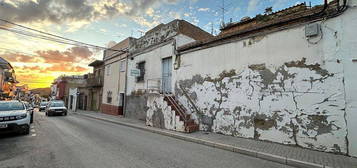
[(160, 115), (111, 109)]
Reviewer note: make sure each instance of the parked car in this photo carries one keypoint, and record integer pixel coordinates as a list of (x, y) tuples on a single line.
[(14, 117), (43, 106), (29, 108), (56, 107)]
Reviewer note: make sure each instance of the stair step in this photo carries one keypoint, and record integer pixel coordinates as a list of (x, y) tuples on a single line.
[(192, 128)]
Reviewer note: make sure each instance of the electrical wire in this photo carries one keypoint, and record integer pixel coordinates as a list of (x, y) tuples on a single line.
[(40, 36), (54, 37)]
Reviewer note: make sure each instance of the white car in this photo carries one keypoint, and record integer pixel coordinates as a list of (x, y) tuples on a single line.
[(14, 117), (43, 106), (56, 107)]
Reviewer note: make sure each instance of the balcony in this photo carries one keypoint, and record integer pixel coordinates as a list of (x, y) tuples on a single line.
[(9, 77), (94, 81)]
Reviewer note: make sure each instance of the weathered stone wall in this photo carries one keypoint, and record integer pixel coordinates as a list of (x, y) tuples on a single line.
[(160, 115)]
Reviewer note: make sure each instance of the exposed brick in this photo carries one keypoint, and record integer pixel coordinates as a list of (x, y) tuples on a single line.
[(112, 110)]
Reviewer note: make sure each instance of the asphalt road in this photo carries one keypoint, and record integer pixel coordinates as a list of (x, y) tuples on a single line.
[(79, 142)]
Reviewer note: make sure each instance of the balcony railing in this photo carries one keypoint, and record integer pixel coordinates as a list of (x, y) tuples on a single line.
[(94, 81)]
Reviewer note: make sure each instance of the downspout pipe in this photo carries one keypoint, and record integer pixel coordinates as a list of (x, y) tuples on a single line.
[(126, 79)]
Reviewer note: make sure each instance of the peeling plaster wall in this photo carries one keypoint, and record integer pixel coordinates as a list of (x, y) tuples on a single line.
[(152, 56), (160, 115), (277, 87), (347, 52), (153, 60)]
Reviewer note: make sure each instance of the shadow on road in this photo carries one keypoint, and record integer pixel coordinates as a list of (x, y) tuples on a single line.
[(10, 135)]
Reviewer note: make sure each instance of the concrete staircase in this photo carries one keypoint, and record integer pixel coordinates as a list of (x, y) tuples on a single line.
[(190, 125)]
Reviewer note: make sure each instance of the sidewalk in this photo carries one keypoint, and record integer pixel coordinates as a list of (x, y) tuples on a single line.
[(293, 156)]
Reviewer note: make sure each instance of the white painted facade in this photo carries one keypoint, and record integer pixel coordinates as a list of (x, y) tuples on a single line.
[(153, 64), (115, 73), (72, 104), (278, 87)]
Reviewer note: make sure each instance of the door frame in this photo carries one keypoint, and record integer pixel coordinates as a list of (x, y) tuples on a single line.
[(166, 78)]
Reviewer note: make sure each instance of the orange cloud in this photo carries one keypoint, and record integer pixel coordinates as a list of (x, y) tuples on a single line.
[(55, 63), (65, 68), (38, 77), (18, 57), (71, 55)]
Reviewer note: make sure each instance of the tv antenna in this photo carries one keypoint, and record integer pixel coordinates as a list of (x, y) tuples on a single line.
[(224, 11), (141, 32)]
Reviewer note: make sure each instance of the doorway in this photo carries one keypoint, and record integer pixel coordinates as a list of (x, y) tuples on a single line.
[(167, 75)]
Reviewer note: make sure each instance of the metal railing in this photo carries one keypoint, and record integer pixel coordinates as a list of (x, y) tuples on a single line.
[(156, 84), (177, 106), (189, 99)]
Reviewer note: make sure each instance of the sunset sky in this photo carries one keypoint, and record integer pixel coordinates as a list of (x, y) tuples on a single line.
[(101, 22)]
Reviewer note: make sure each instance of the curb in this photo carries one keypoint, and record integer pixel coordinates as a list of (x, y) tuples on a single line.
[(244, 151)]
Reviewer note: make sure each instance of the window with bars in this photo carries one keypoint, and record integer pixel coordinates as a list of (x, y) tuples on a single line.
[(109, 97), (122, 66), (107, 70), (141, 67)]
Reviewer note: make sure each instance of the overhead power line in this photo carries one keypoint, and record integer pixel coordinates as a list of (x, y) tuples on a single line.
[(49, 36)]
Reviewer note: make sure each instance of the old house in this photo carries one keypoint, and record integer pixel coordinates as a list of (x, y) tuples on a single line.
[(286, 77), (7, 80), (94, 86), (89, 95), (115, 63), (150, 67), (62, 85)]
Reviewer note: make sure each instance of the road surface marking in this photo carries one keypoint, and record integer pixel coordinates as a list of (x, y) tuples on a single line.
[(33, 135)]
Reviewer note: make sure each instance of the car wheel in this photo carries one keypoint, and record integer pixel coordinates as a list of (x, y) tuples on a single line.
[(31, 120), (64, 114), (26, 130)]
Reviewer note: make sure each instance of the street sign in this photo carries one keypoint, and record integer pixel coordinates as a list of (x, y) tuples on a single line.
[(135, 72)]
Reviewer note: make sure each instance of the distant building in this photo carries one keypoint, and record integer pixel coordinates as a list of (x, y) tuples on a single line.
[(61, 86), (90, 95), (7, 80), (23, 93)]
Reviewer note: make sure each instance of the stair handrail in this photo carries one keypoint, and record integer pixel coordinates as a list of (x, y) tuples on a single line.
[(180, 110), (189, 99)]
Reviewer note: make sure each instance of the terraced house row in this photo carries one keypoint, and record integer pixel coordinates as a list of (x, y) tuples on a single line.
[(285, 76)]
